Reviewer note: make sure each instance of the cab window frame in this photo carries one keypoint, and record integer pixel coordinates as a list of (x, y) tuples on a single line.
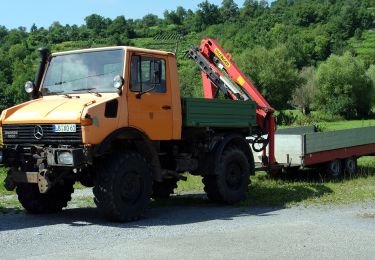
[(137, 82)]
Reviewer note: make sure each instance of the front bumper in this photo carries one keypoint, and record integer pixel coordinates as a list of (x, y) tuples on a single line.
[(17, 156)]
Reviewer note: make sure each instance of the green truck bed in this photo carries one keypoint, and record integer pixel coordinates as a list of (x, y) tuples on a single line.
[(201, 112)]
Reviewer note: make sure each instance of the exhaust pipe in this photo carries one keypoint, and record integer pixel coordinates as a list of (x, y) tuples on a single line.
[(44, 56)]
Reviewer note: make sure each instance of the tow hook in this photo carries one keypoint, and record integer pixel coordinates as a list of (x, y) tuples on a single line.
[(40, 178), (44, 183)]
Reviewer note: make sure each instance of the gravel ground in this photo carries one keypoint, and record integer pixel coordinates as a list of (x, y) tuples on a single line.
[(181, 230)]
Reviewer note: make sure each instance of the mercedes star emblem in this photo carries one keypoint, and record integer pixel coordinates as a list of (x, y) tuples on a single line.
[(38, 132)]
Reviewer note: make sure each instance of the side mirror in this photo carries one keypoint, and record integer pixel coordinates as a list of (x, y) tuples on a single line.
[(118, 82)]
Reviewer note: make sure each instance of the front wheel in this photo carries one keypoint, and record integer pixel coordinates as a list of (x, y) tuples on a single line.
[(230, 181), (124, 186)]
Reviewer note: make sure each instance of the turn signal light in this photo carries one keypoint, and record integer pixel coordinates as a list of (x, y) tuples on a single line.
[(87, 121)]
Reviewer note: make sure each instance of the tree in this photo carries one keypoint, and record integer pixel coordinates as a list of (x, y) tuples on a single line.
[(344, 87), (371, 74), (229, 10), (150, 20), (118, 27), (207, 14), (304, 95), (96, 24), (272, 71)]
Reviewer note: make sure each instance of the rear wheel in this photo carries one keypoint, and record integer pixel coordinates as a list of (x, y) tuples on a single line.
[(335, 169), (51, 202), (230, 181), (123, 187), (351, 166)]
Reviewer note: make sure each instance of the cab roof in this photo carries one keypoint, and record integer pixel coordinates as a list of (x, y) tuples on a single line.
[(125, 48)]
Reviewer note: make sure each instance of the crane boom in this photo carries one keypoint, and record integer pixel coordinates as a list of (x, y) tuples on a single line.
[(220, 73)]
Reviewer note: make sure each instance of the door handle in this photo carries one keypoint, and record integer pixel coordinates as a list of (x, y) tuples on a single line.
[(166, 107)]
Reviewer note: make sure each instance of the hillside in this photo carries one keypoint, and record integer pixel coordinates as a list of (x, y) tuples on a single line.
[(272, 44)]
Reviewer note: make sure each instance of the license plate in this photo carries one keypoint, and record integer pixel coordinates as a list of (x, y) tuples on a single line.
[(65, 128)]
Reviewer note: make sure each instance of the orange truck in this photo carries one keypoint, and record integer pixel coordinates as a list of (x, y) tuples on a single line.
[(113, 119)]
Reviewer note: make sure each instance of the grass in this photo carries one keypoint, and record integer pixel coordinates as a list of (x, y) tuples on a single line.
[(314, 191), (338, 125)]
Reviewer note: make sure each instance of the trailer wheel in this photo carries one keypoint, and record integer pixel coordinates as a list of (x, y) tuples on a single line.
[(51, 202), (230, 181), (351, 166), (162, 190), (335, 169), (124, 186)]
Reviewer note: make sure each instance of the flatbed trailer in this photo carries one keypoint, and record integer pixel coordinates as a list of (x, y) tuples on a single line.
[(334, 151)]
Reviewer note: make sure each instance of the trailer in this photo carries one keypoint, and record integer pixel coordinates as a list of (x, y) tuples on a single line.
[(336, 152)]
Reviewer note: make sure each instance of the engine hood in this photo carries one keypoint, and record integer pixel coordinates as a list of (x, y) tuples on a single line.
[(53, 109)]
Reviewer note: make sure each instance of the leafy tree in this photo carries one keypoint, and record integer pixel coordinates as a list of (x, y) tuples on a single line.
[(172, 17), (344, 87), (207, 14), (118, 27), (272, 71), (304, 95), (229, 10), (150, 20), (251, 9), (371, 74), (96, 24)]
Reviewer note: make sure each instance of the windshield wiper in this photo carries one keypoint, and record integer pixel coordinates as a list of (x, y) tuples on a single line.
[(89, 90)]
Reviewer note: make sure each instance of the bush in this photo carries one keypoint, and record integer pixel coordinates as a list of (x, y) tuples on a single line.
[(344, 87)]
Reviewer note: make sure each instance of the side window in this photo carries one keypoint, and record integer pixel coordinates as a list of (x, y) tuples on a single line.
[(147, 74)]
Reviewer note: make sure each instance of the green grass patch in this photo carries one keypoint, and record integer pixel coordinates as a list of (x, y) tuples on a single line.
[(3, 191), (339, 125), (193, 183)]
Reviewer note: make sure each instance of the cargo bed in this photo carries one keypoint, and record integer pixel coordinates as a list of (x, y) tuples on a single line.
[(200, 112)]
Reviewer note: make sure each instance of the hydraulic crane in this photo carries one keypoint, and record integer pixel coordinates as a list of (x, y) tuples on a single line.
[(220, 73)]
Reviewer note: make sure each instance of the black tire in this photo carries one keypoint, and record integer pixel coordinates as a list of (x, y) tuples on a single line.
[(162, 190), (124, 186), (351, 166), (51, 202), (230, 181), (334, 169)]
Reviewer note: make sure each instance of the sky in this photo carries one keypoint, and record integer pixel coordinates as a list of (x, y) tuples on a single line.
[(15, 13)]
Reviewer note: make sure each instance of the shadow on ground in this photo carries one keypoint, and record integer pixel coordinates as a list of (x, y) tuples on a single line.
[(179, 210)]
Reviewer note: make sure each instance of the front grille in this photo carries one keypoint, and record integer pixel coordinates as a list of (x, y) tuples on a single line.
[(24, 134)]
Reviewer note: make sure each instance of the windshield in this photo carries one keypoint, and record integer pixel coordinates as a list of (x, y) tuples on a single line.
[(83, 72)]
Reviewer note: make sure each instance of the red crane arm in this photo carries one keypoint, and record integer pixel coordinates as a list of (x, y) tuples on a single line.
[(215, 65), (209, 47)]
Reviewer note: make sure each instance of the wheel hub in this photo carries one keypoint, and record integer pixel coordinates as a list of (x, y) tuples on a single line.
[(131, 188), (233, 176)]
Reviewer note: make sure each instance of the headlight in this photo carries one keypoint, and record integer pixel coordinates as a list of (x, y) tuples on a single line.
[(29, 87), (65, 158)]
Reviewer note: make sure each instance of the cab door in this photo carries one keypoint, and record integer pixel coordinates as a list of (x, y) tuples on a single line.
[(149, 96)]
